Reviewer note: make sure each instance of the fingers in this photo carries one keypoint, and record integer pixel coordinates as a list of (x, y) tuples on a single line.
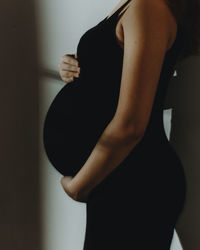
[(69, 67), (68, 71), (69, 59)]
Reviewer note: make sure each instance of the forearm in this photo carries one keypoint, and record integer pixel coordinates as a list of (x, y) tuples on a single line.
[(111, 149)]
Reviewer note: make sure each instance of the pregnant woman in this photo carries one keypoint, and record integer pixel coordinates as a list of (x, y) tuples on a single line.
[(104, 130)]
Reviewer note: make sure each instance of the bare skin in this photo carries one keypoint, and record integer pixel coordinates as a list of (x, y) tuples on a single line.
[(149, 30), (69, 67), (119, 27)]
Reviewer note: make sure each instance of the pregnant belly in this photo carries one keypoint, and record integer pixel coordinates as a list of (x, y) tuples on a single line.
[(75, 120)]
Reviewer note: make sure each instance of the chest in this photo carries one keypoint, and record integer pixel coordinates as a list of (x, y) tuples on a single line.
[(103, 43)]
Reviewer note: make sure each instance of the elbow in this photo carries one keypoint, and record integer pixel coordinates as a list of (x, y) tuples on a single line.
[(129, 129), (118, 134), (133, 133), (130, 136), (128, 133)]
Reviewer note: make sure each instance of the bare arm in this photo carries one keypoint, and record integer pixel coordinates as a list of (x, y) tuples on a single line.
[(146, 38)]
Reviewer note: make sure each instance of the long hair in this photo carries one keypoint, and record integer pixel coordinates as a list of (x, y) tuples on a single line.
[(187, 15)]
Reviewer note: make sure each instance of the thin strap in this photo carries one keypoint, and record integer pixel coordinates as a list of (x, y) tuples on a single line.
[(119, 15), (118, 10)]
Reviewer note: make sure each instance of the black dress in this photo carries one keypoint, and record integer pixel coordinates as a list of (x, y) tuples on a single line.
[(137, 205)]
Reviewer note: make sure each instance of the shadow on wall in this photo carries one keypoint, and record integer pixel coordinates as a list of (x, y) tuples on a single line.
[(19, 189), (183, 97)]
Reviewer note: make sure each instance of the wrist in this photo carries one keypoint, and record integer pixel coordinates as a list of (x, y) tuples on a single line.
[(72, 190), (77, 193)]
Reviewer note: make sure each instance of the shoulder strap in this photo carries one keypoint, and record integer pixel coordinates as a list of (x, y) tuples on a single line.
[(119, 10)]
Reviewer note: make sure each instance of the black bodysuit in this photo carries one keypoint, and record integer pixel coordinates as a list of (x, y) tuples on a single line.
[(137, 205)]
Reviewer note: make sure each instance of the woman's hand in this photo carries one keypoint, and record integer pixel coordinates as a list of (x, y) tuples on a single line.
[(75, 195), (69, 67)]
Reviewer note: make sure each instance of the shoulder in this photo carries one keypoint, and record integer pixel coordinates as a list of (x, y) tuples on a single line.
[(149, 17), (151, 8)]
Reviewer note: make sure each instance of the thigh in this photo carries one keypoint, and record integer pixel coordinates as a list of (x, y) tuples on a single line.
[(135, 224), (135, 208)]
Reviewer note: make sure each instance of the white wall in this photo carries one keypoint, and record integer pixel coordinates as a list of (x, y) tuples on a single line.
[(63, 220), (60, 25)]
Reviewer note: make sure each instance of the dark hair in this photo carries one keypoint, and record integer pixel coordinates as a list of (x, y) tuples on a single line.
[(187, 14)]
